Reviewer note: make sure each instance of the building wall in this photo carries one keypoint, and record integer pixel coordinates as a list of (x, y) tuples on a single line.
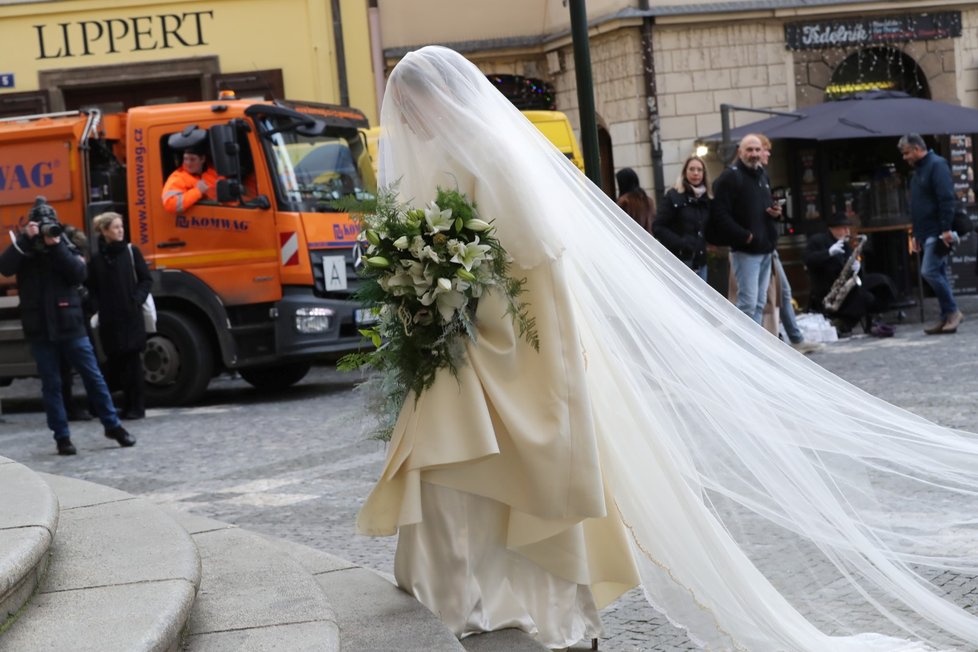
[(245, 35), (966, 56), (700, 67)]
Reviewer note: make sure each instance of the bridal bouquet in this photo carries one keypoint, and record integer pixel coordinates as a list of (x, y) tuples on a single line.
[(425, 270)]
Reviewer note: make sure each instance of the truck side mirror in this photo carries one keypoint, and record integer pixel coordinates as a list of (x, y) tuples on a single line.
[(225, 151), (228, 190)]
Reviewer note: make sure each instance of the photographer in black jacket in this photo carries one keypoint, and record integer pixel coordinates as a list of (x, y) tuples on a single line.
[(48, 272)]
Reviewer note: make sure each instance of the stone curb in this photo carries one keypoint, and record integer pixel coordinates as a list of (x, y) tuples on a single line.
[(123, 576), (253, 596), (28, 522)]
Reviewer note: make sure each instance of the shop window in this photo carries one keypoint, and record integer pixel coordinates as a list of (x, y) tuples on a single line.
[(879, 68), (30, 103)]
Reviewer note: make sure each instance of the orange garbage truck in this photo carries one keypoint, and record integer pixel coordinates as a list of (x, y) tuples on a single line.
[(260, 281)]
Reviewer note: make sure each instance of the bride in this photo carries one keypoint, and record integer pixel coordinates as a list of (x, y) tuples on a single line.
[(658, 436)]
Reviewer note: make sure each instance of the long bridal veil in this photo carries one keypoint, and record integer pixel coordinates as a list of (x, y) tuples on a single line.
[(773, 506)]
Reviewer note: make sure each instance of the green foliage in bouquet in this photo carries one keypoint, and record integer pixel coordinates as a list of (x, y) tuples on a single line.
[(425, 270)]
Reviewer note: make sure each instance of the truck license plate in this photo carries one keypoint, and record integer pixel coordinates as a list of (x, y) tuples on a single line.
[(334, 272)]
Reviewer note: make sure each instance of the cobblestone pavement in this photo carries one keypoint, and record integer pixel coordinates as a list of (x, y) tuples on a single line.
[(296, 464)]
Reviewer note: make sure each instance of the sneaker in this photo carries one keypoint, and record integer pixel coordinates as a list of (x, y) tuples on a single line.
[(952, 322), (65, 447), (805, 348), (936, 329), (121, 435)]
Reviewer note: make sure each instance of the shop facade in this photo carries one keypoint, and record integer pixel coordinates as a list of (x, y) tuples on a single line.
[(111, 55)]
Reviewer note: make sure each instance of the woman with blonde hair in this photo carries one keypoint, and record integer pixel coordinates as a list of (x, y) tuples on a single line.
[(120, 282), (682, 216)]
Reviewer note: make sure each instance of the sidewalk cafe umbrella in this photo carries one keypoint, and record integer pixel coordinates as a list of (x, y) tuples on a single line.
[(872, 114)]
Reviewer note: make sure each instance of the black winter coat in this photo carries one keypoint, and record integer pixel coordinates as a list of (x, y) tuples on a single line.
[(741, 197), (679, 226), (118, 296), (47, 284)]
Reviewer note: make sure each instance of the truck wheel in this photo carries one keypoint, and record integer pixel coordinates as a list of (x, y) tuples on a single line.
[(277, 376), (178, 361)]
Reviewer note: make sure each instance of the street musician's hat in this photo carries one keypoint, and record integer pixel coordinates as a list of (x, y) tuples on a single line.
[(839, 218)]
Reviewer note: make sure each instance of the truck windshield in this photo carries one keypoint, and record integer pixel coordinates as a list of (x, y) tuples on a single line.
[(312, 172)]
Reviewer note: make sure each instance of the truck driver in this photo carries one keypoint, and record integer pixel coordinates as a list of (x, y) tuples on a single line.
[(194, 179)]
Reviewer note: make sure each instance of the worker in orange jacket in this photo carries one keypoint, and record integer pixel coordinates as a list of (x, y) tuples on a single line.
[(190, 182)]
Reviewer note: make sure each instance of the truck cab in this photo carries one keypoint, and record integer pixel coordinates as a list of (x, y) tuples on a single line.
[(260, 281)]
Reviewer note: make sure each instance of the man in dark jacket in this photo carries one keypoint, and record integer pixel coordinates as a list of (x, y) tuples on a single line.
[(932, 209), (742, 216), (48, 274)]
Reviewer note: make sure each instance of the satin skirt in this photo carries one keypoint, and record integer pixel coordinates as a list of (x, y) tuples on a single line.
[(456, 563)]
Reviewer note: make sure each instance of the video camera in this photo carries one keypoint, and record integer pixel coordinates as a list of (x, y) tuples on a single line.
[(46, 218)]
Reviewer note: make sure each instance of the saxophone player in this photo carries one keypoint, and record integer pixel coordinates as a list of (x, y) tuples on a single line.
[(830, 261)]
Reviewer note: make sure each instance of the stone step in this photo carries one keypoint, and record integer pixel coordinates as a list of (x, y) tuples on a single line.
[(28, 521), (372, 613), (122, 576), (253, 596)]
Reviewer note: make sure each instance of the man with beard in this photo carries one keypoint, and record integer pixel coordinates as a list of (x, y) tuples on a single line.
[(742, 216)]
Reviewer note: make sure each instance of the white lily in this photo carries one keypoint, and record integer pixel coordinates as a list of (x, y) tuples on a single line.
[(437, 219), (475, 224), (402, 243), (428, 252), (471, 254), (446, 299)]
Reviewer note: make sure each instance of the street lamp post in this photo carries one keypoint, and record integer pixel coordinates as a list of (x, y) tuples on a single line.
[(585, 90)]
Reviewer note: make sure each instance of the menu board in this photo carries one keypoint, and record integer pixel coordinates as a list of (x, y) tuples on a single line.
[(961, 157), (809, 185)]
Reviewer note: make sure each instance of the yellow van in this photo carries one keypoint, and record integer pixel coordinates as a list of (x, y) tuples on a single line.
[(556, 127), (552, 124)]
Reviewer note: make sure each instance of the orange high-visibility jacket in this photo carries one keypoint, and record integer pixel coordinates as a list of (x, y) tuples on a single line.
[(180, 191)]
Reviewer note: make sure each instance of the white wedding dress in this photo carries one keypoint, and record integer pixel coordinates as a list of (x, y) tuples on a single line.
[(765, 504)]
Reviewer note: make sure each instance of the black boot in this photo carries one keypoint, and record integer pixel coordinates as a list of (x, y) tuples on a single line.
[(121, 435), (65, 447)]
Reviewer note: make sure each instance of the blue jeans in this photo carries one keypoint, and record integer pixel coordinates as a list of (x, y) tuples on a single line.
[(934, 269), (753, 274), (80, 354), (787, 310)]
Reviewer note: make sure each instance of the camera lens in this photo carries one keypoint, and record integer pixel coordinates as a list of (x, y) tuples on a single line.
[(51, 230)]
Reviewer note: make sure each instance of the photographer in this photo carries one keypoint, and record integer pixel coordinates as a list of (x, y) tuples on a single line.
[(48, 272)]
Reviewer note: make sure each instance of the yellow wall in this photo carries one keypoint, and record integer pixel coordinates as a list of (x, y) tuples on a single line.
[(294, 35), (422, 22)]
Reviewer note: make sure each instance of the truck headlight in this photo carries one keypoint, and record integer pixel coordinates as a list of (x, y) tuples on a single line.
[(312, 320)]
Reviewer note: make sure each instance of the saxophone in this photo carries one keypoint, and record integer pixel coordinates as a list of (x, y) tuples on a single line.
[(846, 280)]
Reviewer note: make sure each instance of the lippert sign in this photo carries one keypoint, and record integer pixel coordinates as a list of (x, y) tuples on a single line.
[(871, 31), (84, 38)]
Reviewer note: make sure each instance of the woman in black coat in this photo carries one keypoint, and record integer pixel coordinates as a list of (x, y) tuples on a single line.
[(119, 281), (682, 216)]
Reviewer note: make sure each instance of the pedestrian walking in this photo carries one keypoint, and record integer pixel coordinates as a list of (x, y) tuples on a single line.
[(633, 199), (932, 211)]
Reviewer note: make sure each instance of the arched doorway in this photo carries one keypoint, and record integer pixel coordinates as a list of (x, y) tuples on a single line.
[(877, 68)]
